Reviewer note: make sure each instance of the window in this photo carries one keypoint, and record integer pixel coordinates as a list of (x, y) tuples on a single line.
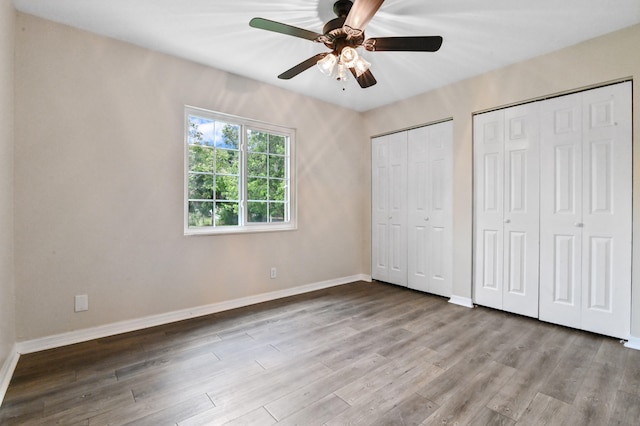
[(239, 174)]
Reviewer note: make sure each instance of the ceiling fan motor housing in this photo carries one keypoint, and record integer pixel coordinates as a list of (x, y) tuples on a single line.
[(334, 35), (342, 7)]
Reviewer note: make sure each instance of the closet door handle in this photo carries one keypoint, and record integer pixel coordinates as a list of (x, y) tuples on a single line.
[(507, 221), (426, 219), (578, 224)]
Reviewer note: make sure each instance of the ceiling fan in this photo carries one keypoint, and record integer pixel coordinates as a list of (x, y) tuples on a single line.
[(343, 35)]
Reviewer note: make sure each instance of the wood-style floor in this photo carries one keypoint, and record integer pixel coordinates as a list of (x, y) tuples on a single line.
[(362, 353)]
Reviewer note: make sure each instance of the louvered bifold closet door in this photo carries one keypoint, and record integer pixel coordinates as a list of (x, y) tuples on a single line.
[(586, 211)]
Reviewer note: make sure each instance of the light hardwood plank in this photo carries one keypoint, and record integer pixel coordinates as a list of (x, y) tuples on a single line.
[(468, 400), (259, 416), (546, 410), (626, 409), (308, 394), (490, 417), (413, 410), (318, 413), (371, 405), (515, 396), (154, 412), (566, 379)]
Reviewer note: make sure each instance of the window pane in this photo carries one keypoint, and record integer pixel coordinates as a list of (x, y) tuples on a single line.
[(226, 214), (257, 164), (276, 212), (276, 190), (257, 212), (227, 161), (200, 159), (200, 213), (238, 173), (257, 189), (201, 131), (276, 166), (277, 144), (227, 188), (258, 141), (201, 187), (227, 135)]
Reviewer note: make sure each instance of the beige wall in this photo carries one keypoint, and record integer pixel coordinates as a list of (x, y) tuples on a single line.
[(7, 312), (99, 185), (612, 57)]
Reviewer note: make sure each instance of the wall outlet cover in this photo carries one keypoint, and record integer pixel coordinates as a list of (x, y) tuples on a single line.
[(82, 303)]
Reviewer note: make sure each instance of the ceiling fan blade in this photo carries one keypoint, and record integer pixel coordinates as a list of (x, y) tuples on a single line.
[(404, 44), (278, 27), (361, 13), (365, 80), (302, 66)]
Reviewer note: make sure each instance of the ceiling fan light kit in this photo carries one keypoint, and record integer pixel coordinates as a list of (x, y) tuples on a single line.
[(336, 66), (343, 35)]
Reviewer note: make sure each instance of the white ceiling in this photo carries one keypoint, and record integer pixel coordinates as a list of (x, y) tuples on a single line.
[(478, 36)]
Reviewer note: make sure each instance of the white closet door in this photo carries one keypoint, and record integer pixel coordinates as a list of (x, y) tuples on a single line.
[(585, 253), (521, 210), (561, 210), (398, 208), (419, 208), (441, 202), (380, 208), (506, 201), (389, 199), (607, 198), (430, 208), (488, 147)]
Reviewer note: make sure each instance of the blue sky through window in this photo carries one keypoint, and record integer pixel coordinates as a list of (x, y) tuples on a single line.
[(211, 132)]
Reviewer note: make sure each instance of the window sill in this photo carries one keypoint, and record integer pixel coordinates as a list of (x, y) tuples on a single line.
[(240, 230)]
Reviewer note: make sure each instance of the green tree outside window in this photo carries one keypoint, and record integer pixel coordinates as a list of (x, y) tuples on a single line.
[(219, 180)]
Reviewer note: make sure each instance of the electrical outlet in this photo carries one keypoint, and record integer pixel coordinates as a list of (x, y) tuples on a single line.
[(274, 272), (82, 303)]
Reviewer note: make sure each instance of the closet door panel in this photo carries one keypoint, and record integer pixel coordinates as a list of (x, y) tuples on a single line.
[(440, 201), (607, 177), (380, 211), (439, 264), (418, 209), (521, 210), (398, 208), (488, 202), (560, 211)]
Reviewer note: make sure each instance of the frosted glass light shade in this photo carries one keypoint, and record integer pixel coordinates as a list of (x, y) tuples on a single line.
[(348, 56), (341, 73), (361, 66), (327, 63)]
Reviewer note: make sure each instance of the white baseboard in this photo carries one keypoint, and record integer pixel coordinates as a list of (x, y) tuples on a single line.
[(6, 371), (84, 335), (633, 343), (462, 301)]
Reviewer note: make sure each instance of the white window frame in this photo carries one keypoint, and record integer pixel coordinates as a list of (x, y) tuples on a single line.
[(243, 226)]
